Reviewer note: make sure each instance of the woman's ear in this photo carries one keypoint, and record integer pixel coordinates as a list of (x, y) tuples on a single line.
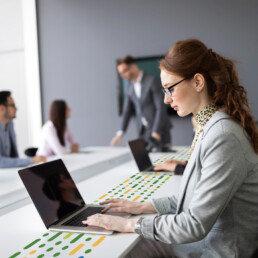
[(199, 82)]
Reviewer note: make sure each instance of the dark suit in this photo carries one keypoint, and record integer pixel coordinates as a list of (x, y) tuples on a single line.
[(150, 105)]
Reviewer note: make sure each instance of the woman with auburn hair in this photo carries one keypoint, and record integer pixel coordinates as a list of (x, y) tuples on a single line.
[(216, 211), (55, 132)]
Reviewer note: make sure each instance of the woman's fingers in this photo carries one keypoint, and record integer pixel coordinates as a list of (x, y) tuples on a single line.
[(121, 205), (111, 201), (112, 205), (99, 220), (106, 209), (110, 222), (93, 220), (120, 209)]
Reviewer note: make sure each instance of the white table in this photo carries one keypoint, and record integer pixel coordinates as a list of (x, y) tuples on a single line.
[(81, 165), (24, 226)]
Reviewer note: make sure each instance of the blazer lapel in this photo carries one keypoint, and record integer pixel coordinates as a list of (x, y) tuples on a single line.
[(144, 87), (195, 154), (131, 91), (188, 172)]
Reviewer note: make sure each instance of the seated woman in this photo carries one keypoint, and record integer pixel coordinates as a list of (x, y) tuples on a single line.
[(55, 132), (216, 211)]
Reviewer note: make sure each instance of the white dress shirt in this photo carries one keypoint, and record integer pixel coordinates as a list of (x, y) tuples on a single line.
[(137, 88), (137, 85)]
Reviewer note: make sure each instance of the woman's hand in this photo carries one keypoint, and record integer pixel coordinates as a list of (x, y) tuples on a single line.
[(169, 165), (110, 222), (122, 205), (75, 147)]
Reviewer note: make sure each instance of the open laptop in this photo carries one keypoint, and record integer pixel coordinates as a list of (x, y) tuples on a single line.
[(141, 156), (58, 200)]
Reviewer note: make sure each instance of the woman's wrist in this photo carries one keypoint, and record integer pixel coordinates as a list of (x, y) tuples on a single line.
[(148, 206), (184, 163), (131, 224)]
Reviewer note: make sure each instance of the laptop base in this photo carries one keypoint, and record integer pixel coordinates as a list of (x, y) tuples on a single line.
[(85, 230)]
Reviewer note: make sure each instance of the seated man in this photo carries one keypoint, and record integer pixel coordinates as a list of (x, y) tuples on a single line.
[(8, 147)]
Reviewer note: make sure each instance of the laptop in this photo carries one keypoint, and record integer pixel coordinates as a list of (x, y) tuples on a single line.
[(141, 156), (58, 200)]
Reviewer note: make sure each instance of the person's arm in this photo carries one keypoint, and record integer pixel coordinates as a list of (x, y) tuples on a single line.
[(15, 161), (127, 113), (172, 165), (70, 138), (179, 170), (117, 139), (159, 106), (120, 205), (7, 162), (165, 205), (117, 223), (223, 171), (50, 134)]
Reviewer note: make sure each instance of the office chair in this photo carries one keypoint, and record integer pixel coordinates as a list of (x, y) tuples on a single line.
[(31, 152)]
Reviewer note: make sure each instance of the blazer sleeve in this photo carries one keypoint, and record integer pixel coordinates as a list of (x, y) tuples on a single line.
[(10, 162), (157, 94), (6, 162), (223, 171), (127, 112), (165, 205)]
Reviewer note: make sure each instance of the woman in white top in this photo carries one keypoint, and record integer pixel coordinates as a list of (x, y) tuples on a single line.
[(55, 132)]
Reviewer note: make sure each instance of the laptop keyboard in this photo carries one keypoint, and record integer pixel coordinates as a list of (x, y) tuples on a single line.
[(77, 219)]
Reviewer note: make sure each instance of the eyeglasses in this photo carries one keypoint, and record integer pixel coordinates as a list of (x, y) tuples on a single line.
[(125, 70), (168, 90), (10, 105)]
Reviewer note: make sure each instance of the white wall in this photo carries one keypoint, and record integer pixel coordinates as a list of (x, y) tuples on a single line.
[(16, 75)]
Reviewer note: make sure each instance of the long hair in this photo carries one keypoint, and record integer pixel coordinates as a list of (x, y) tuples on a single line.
[(57, 115), (188, 57)]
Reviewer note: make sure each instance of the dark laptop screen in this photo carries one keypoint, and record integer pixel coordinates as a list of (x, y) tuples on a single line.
[(52, 190), (140, 154)]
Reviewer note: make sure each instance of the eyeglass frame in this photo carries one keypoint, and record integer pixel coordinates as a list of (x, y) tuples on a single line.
[(167, 90), (125, 70), (10, 105)]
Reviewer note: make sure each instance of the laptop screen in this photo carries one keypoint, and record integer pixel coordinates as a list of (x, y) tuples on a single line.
[(140, 154), (52, 190)]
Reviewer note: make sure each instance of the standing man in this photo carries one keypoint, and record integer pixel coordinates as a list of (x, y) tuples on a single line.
[(8, 147), (144, 96)]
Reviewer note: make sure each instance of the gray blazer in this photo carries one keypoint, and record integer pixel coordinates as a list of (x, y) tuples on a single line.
[(150, 105), (216, 211)]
